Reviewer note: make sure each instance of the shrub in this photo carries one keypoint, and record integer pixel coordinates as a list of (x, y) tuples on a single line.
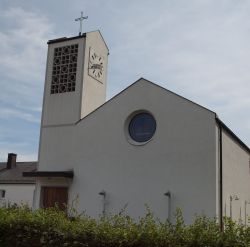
[(20, 226)]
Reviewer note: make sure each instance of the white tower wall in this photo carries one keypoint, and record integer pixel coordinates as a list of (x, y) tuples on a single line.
[(89, 93)]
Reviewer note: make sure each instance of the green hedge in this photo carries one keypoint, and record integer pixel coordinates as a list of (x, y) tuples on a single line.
[(19, 226)]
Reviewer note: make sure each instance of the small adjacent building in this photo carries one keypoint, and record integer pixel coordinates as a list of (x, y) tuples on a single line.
[(146, 145), (14, 188)]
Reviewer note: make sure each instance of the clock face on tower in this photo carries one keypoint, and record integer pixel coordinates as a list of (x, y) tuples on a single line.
[(96, 65)]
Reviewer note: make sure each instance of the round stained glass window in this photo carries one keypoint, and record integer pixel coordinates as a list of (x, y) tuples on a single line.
[(142, 127)]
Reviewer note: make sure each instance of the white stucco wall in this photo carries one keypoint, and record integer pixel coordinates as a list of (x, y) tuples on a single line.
[(18, 193), (180, 158), (236, 178)]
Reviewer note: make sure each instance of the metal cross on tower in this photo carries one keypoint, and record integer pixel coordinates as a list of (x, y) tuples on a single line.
[(81, 19)]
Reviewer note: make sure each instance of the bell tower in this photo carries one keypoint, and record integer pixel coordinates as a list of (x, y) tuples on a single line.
[(75, 82)]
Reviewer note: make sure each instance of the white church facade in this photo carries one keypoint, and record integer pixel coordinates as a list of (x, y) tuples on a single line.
[(147, 145)]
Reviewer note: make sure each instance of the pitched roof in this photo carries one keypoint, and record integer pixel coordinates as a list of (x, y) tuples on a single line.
[(15, 174)]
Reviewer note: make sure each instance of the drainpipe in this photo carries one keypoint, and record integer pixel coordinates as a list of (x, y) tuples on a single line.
[(231, 207), (103, 194), (245, 209), (168, 194), (220, 178), (245, 212)]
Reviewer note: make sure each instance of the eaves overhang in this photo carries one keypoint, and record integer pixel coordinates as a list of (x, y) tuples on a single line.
[(49, 174), (231, 133)]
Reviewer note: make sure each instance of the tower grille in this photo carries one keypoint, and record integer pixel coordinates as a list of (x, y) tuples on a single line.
[(64, 69)]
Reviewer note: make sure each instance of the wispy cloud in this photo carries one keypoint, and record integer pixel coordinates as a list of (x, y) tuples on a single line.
[(27, 157), (15, 114), (23, 49), (22, 66), (23, 56), (21, 154), (198, 49)]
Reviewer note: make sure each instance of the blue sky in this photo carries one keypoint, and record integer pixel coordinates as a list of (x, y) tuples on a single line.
[(199, 49)]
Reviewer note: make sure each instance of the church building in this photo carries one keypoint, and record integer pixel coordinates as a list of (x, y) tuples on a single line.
[(145, 146)]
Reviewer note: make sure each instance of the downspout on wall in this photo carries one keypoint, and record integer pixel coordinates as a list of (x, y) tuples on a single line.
[(220, 177)]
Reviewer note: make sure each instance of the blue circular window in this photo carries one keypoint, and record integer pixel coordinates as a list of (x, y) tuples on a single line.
[(142, 127)]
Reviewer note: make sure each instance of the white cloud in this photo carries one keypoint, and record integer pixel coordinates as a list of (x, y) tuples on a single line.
[(199, 49), (10, 113), (27, 157), (23, 49), (20, 148), (23, 56)]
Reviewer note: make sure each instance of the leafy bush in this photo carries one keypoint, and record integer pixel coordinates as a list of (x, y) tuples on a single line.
[(19, 226)]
